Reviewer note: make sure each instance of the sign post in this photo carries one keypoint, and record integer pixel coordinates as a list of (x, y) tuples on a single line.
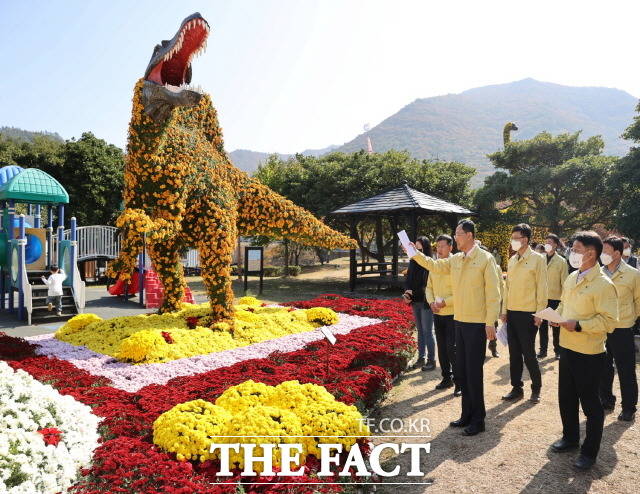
[(253, 264)]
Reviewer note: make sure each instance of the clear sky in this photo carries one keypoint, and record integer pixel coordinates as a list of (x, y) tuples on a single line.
[(287, 75)]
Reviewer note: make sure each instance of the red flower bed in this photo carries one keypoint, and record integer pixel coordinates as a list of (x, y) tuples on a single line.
[(362, 366)]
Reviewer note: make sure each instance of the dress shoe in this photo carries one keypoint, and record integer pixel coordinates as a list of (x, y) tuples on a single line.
[(418, 363), (473, 429), (584, 462), (562, 445), (457, 391), (429, 366), (514, 394), (541, 355), (459, 423), (626, 415), (535, 396), (444, 384)]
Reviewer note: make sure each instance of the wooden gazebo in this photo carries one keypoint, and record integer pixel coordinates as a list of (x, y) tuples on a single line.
[(393, 204)]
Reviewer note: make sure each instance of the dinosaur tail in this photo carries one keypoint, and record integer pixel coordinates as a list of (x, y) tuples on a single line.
[(264, 212)]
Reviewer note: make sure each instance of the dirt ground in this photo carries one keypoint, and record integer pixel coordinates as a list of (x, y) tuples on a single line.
[(513, 455)]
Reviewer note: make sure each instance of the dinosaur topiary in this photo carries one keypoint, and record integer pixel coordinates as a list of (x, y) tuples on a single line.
[(506, 132), (181, 190)]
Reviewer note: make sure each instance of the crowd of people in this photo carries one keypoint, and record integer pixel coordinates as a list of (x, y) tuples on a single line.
[(594, 291)]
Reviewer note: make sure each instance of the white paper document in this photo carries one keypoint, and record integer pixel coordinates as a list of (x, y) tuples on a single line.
[(550, 315), (502, 334), (406, 243), (328, 335)]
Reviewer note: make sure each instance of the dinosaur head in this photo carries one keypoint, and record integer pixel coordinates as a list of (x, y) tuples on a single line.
[(169, 70)]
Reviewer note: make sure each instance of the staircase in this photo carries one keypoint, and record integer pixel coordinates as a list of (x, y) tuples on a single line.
[(40, 313), (154, 291)]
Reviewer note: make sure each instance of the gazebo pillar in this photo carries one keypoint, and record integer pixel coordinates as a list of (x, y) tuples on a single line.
[(393, 221), (353, 265), (413, 217)]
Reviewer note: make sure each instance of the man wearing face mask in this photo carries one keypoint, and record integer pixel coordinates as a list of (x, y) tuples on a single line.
[(589, 307), (619, 344), (627, 256), (525, 294), (476, 306), (557, 272)]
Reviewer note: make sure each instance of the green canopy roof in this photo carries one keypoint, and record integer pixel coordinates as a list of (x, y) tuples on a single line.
[(34, 186)]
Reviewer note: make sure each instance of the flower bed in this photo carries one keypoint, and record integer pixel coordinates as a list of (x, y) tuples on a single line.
[(159, 338), (361, 367)]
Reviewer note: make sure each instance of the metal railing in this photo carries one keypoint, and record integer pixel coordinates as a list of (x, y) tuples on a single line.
[(93, 241)]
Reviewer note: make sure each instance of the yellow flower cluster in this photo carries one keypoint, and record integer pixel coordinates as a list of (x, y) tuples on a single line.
[(322, 316), (181, 191), (250, 301), (250, 411), (77, 323), (139, 339)]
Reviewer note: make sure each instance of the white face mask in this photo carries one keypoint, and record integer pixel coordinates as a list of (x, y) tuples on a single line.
[(516, 245), (548, 248), (575, 260), (626, 252), (606, 259)]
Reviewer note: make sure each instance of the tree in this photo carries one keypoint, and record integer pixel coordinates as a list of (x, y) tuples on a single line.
[(90, 169), (93, 174), (626, 184), (558, 182)]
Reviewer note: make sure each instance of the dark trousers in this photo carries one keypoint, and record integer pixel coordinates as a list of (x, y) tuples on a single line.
[(471, 339), (544, 332), (521, 335), (621, 350), (579, 380), (446, 340)]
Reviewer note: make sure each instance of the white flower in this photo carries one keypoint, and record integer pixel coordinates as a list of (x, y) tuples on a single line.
[(27, 464)]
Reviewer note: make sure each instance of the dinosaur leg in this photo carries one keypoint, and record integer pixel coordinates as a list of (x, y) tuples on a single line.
[(166, 261), (216, 249)]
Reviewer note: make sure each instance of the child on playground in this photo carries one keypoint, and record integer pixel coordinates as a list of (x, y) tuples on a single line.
[(54, 294)]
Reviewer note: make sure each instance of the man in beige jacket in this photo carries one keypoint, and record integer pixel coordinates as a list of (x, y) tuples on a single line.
[(476, 307)]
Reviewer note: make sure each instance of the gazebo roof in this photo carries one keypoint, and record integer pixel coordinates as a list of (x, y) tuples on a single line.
[(34, 186), (402, 199)]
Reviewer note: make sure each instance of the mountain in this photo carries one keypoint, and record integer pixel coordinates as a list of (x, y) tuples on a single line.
[(249, 161), (467, 126), (27, 135)]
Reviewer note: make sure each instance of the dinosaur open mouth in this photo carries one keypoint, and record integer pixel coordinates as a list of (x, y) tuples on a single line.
[(170, 65)]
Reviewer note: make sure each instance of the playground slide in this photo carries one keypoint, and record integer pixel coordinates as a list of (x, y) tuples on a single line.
[(118, 287)]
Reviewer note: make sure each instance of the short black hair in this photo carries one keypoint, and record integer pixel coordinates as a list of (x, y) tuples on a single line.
[(524, 229), (626, 241), (556, 240), (615, 242), (468, 226), (589, 239), (446, 238), (54, 269)]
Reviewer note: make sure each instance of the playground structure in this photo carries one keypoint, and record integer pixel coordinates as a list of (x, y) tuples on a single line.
[(28, 250)]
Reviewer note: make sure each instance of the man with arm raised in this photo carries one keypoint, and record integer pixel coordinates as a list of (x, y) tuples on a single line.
[(476, 306)]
